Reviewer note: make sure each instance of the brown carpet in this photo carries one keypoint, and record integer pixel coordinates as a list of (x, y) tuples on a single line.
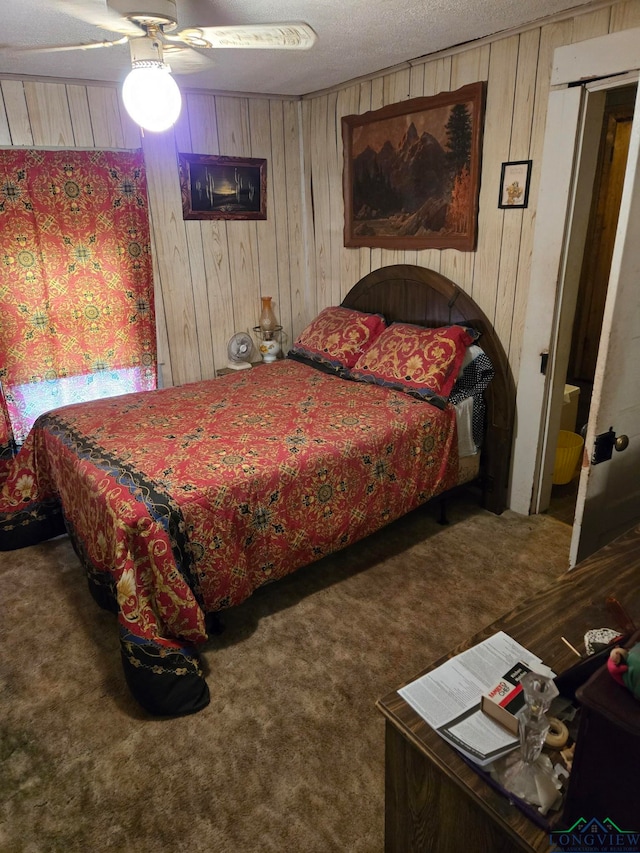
[(289, 755)]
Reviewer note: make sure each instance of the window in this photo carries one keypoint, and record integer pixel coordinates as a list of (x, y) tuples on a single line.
[(76, 287)]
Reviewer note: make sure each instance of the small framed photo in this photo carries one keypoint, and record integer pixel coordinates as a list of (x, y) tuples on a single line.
[(514, 184), (215, 187)]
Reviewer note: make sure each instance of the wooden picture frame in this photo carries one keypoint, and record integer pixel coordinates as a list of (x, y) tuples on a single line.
[(515, 179), (214, 187), (411, 175)]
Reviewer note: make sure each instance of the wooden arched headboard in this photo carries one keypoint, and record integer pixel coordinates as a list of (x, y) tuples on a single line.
[(412, 294)]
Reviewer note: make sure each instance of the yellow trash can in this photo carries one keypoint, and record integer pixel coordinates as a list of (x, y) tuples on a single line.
[(568, 452)]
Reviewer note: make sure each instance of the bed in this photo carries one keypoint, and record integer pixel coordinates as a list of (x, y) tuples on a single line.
[(181, 502)]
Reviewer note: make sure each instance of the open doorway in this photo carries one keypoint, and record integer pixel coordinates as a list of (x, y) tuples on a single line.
[(594, 276)]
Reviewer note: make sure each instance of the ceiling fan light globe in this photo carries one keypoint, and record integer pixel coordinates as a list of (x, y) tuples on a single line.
[(151, 97)]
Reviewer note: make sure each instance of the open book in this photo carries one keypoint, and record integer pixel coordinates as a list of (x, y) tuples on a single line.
[(449, 697)]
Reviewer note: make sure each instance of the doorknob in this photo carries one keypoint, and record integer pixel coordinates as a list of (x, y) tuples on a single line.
[(605, 444), (622, 442)]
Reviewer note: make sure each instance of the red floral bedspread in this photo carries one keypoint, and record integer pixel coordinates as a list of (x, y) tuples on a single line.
[(183, 501)]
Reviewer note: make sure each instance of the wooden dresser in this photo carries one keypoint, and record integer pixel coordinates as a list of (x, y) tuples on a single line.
[(433, 800)]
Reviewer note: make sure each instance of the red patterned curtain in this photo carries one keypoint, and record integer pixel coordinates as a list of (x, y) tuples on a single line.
[(76, 288)]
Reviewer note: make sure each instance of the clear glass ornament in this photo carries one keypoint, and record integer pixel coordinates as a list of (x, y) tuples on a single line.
[(528, 773)]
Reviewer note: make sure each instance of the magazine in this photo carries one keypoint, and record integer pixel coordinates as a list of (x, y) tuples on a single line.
[(449, 697)]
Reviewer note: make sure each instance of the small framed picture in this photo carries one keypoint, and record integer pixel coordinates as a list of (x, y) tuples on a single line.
[(514, 184), (214, 187)]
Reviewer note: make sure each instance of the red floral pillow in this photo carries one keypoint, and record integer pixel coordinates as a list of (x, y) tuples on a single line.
[(424, 362), (339, 336)]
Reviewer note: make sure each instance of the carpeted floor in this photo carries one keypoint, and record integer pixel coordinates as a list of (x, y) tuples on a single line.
[(289, 755)]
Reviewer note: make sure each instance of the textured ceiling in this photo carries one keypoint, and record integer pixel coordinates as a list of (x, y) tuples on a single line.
[(355, 37)]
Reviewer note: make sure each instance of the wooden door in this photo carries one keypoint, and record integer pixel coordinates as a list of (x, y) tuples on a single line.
[(609, 492)]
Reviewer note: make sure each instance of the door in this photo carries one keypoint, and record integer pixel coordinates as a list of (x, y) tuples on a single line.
[(608, 498), (609, 492)]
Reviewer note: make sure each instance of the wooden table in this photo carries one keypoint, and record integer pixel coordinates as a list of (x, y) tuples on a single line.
[(433, 800)]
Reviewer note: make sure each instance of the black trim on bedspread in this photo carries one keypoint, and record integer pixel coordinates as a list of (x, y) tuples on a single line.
[(317, 365), (166, 682), (159, 503), (35, 523), (102, 585)]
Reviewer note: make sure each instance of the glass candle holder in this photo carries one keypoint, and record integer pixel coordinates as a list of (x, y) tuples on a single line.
[(527, 773), (267, 321)]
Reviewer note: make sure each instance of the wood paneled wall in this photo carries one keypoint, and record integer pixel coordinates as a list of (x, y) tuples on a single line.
[(517, 69), (210, 274)]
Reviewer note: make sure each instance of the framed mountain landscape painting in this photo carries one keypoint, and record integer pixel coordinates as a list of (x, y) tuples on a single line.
[(412, 172)]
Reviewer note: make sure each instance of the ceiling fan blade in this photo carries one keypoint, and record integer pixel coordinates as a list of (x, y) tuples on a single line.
[(59, 48), (288, 36), (98, 14), (185, 60)]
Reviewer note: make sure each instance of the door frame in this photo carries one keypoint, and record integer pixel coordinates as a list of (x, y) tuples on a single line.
[(575, 107)]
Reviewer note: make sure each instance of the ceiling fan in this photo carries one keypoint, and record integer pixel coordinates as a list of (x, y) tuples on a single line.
[(151, 29), (136, 19)]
